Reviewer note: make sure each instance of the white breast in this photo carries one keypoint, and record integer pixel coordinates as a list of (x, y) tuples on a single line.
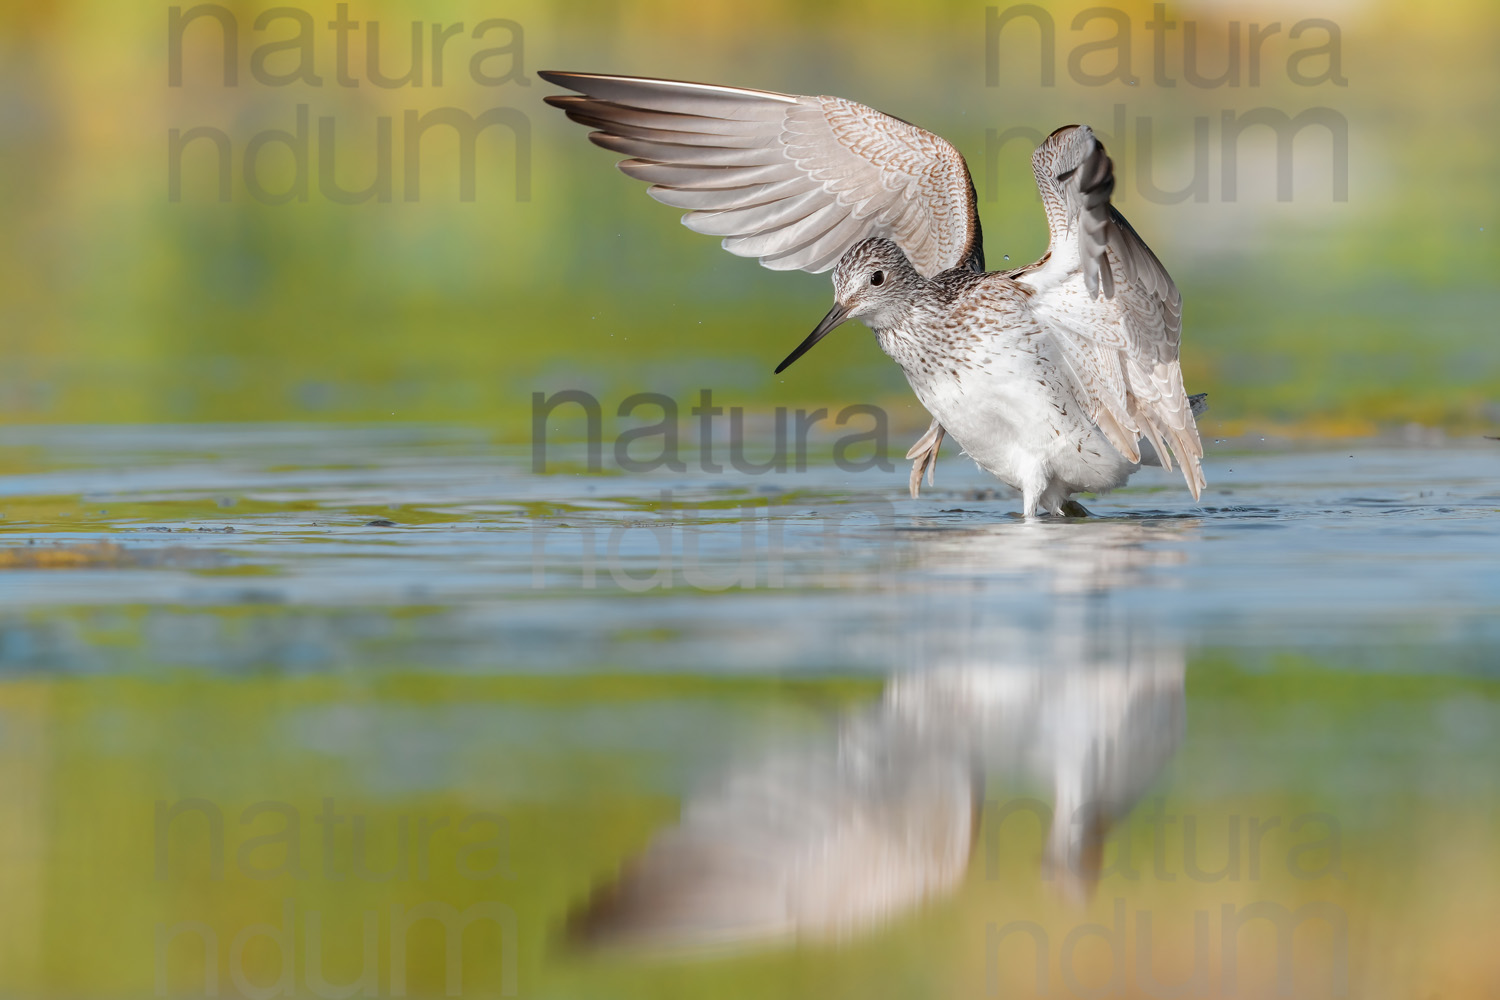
[(1012, 408)]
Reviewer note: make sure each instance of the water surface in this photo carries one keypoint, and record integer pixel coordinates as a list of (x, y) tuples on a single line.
[(396, 669)]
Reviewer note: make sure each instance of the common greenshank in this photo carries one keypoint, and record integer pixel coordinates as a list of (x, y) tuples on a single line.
[(1059, 377)]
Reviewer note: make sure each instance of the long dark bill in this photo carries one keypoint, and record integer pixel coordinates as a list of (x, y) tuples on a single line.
[(835, 316)]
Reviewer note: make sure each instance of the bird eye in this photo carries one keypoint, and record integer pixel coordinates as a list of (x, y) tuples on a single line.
[(878, 278)]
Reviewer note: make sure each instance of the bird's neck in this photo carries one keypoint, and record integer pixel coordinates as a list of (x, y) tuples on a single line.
[(900, 335)]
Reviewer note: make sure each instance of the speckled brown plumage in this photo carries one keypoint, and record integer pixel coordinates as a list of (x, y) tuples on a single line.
[(1049, 375)]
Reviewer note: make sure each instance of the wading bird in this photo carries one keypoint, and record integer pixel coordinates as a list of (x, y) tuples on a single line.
[(1059, 377)]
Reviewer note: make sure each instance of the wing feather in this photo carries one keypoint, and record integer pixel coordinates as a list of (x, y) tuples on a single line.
[(667, 151), (791, 180), (821, 253), (702, 177), (757, 218), (1099, 284), (724, 200)]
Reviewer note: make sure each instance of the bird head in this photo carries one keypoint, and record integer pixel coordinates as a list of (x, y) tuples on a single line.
[(873, 282)]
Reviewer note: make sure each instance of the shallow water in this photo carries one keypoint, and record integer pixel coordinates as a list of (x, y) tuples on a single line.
[(347, 644)]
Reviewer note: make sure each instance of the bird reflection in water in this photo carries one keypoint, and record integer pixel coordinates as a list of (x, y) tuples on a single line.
[(1058, 558), (831, 839)]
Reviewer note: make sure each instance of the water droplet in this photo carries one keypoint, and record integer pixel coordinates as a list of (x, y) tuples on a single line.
[(1007, 256)]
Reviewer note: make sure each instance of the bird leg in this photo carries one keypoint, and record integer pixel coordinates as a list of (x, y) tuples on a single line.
[(924, 456)]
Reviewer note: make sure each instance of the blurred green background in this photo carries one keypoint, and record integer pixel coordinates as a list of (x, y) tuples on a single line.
[(1311, 315), (310, 656)]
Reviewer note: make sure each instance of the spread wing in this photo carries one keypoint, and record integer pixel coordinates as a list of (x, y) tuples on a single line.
[(794, 181), (816, 844), (1111, 305)]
